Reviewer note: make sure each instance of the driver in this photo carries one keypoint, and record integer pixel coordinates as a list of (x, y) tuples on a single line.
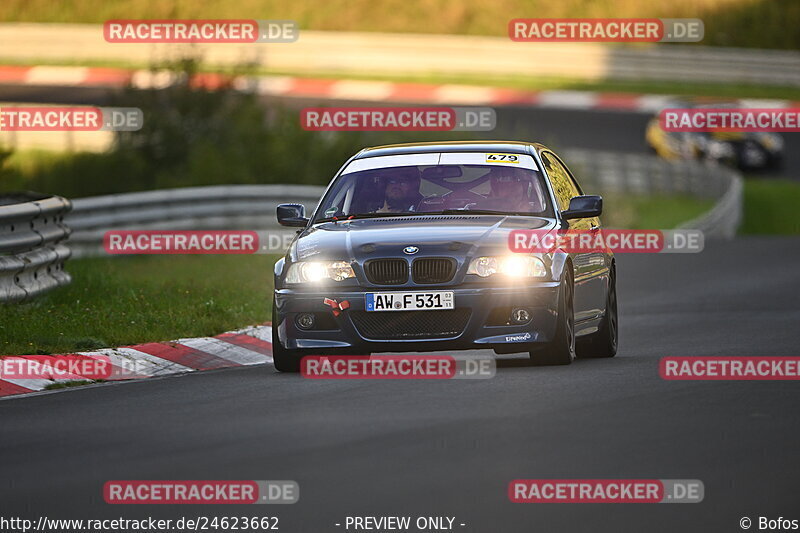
[(509, 189), (402, 190)]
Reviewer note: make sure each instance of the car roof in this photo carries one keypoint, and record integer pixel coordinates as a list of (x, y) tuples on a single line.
[(514, 147)]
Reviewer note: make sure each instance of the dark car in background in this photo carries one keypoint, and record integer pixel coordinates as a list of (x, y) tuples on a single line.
[(742, 150), (408, 250)]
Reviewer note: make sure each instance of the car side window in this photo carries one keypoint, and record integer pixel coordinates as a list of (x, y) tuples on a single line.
[(573, 182), (563, 184)]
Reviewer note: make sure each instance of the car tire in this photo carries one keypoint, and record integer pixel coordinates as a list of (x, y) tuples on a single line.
[(561, 350), (284, 360), (604, 342)]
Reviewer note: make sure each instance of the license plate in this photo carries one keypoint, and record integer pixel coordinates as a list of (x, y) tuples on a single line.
[(410, 301)]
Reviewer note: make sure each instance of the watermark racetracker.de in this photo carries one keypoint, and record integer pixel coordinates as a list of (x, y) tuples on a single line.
[(606, 491), (606, 240), (729, 368), (193, 242), (398, 119), (201, 492), (606, 30), (72, 367), (729, 119), (70, 118), (201, 31), (397, 367)]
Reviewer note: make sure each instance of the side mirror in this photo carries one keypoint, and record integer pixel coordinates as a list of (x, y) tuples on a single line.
[(584, 207), (292, 215)]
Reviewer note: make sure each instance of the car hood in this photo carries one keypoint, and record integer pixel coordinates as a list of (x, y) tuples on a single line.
[(433, 235)]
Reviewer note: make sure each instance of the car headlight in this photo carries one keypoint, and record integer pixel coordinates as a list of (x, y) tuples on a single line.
[(513, 266), (314, 271)]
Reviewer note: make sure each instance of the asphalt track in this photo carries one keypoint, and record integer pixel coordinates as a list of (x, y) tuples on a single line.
[(450, 448), (614, 130)]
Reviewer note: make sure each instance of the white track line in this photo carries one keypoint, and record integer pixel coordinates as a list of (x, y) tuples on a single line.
[(654, 102), (231, 352), (57, 75), (361, 90), (754, 103), (33, 384), (263, 333), (145, 79), (140, 363), (464, 95), (265, 85), (568, 99)]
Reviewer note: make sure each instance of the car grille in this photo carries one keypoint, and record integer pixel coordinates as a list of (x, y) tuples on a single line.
[(394, 325), (387, 271), (433, 270)]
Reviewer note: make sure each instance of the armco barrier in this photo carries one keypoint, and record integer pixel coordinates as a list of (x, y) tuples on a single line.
[(214, 207), (253, 206), (725, 217), (32, 254)]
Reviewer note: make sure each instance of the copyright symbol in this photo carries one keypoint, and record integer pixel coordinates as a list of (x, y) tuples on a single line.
[(745, 523)]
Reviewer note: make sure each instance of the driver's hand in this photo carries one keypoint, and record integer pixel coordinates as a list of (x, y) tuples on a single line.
[(384, 209)]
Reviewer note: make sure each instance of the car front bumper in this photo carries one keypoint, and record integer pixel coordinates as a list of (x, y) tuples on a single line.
[(480, 303)]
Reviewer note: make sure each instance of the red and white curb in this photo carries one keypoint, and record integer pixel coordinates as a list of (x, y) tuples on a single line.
[(248, 346), (361, 90)]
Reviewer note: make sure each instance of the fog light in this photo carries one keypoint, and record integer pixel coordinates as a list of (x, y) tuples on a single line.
[(305, 320), (520, 316)]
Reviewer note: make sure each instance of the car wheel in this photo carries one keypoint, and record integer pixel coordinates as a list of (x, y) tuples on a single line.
[(604, 342), (561, 350), (285, 360)]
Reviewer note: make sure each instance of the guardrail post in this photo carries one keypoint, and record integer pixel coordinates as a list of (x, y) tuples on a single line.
[(32, 253)]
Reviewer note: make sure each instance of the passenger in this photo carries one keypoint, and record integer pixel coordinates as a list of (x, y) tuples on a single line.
[(509, 190)]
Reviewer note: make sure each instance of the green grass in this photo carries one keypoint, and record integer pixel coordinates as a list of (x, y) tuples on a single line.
[(771, 207), (127, 300), (749, 23), (658, 212)]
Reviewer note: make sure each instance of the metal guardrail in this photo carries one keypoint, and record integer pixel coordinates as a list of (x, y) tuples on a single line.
[(724, 219), (639, 174), (672, 62), (32, 254), (214, 207)]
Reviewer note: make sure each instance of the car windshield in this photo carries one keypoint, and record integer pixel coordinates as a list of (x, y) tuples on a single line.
[(432, 189)]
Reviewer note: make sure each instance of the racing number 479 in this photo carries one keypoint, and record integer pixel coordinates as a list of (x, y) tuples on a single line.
[(501, 157)]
